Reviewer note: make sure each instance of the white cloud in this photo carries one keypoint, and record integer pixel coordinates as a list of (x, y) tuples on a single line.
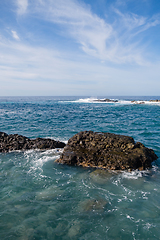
[(130, 21), (86, 28), (22, 6), (98, 38), (44, 70), (27, 70), (135, 23), (15, 35)]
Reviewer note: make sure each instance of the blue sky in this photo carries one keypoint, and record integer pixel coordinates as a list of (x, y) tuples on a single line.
[(79, 47)]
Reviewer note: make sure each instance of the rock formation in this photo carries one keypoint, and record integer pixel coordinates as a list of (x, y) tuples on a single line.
[(106, 150), (157, 100), (106, 100), (14, 142)]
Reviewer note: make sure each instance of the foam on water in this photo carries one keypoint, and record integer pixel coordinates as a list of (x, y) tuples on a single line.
[(86, 100), (36, 159), (134, 174), (118, 101)]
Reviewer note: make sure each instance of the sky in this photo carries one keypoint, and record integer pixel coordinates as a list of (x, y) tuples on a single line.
[(80, 48)]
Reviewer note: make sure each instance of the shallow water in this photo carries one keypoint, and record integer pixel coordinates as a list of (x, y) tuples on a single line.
[(40, 199)]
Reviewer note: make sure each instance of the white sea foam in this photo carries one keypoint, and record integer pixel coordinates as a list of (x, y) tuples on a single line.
[(115, 101), (51, 152), (124, 102), (133, 175), (152, 103), (145, 102), (87, 100), (127, 102), (91, 100), (36, 159), (46, 156), (57, 139)]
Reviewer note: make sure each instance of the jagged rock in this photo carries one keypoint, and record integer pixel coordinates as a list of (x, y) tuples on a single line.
[(106, 150), (14, 142)]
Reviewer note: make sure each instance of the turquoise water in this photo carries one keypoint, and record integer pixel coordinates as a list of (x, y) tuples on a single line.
[(40, 199)]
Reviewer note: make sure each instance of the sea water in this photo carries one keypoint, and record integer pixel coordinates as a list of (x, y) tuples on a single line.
[(40, 199)]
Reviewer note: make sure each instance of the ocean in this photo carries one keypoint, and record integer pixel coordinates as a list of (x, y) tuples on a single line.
[(40, 199)]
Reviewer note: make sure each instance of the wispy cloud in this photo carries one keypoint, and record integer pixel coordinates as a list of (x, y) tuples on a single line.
[(21, 61), (135, 23), (114, 42), (15, 35), (27, 70), (130, 20), (90, 31), (21, 6), (57, 71)]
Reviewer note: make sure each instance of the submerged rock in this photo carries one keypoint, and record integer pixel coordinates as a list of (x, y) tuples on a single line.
[(100, 176), (74, 230), (61, 228), (14, 142), (49, 193), (106, 150), (92, 205)]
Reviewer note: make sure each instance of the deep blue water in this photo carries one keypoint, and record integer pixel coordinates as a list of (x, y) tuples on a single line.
[(40, 199)]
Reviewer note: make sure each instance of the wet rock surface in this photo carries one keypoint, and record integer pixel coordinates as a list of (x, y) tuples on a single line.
[(14, 142), (107, 151)]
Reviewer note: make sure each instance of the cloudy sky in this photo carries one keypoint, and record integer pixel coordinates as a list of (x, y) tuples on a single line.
[(79, 47)]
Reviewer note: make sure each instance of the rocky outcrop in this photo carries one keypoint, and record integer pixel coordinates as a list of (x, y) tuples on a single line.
[(14, 142), (143, 102), (157, 100), (140, 102), (106, 150), (106, 100)]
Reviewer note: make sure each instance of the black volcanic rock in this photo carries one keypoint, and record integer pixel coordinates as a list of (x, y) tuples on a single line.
[(106, 150), (14, 142)]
